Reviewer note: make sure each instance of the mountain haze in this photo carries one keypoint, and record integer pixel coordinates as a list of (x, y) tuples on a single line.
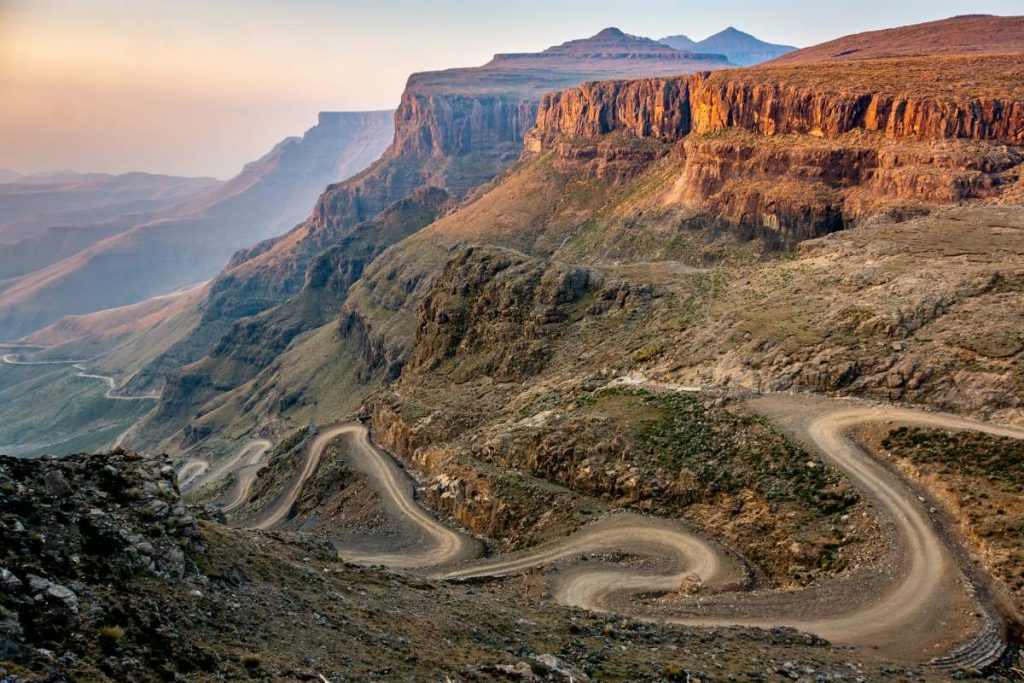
[(191, 240), (620, 363), (29, 205)]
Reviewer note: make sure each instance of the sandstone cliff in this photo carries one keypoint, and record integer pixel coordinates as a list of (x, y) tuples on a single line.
[(763, 102), (784, 154)]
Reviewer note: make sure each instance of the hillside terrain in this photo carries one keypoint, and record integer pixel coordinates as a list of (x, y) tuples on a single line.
[(61, 271), (965, 35), (719, 173), (704, 346), (30, 205), (122, 582)]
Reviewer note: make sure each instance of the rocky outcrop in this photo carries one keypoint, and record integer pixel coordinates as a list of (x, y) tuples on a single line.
[(493, 309), (66, 524), (671, 108), (787, 193), (502, 505), (782, 161)]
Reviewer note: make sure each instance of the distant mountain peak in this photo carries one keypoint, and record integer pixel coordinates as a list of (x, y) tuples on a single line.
[(609, 42), (678, 42), (740, 47), (610, 33)]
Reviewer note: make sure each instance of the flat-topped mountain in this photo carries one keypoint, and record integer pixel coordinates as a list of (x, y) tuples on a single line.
[(974, 34), (738, 47), (610, 53)]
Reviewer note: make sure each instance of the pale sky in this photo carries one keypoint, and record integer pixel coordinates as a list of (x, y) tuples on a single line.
[(199, 87)]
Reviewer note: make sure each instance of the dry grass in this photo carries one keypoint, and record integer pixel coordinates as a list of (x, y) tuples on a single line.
[(955, 76)]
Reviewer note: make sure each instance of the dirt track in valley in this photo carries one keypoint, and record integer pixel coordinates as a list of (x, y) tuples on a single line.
[(197, 472), (914, 603)]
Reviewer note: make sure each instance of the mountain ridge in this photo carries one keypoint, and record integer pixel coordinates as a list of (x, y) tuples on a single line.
[(456, 130), (977, 34)]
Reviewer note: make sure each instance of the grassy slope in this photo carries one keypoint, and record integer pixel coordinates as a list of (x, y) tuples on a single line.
[(49, 410), (981, 479)]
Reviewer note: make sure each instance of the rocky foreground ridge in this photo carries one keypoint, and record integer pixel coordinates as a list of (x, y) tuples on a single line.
[(74, 535)]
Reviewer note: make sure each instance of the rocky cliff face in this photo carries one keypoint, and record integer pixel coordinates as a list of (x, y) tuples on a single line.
[(440, 125), (669, 109), (777, 155)]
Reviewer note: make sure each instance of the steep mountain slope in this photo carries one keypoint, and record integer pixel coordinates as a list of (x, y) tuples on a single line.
[(192, 240), (974, 34), (777, 229), (456, 129), (741, 48)]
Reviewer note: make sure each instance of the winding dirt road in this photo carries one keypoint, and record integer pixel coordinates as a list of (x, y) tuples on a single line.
[(245, 475), (244, 463), (112, 387), (278, 509), (12, 359), (910, 605)]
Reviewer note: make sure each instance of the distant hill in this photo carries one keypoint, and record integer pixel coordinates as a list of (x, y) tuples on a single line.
[(156, 252), (8, 176), (974, 34), (679, 42), (739, 47)]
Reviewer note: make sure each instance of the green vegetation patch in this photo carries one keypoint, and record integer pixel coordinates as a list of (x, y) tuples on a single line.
[(998, 459), (726, 452)]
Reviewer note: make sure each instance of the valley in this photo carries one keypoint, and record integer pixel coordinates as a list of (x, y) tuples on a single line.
[(620, 360)]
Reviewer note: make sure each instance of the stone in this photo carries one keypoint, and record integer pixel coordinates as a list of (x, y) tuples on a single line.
[(557, 670), (64, 595), (9, 583), (55, 483)]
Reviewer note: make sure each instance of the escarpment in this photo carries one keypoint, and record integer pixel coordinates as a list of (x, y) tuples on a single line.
[(438, 125), (782, 101), (785, 155), (455, 130)]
